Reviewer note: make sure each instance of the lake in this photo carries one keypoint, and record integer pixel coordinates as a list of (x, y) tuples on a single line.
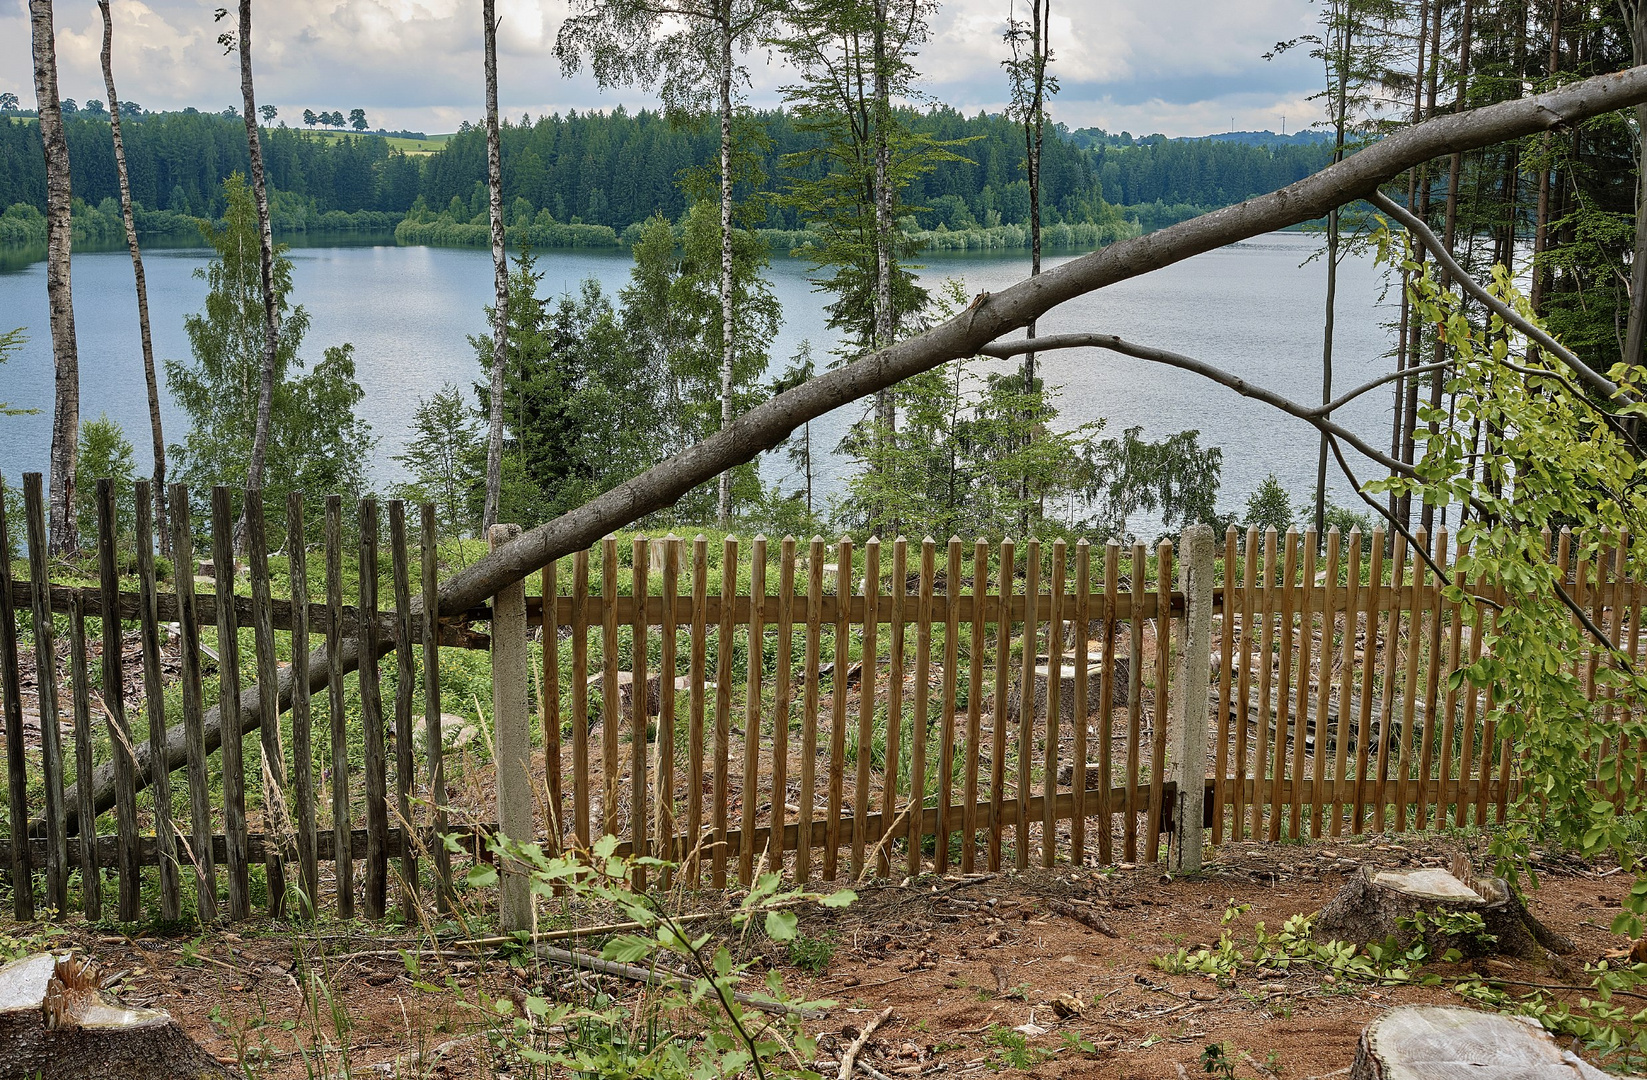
[(1253, 308)]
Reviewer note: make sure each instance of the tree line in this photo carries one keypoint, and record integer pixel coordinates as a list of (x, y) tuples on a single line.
[(616, 169)]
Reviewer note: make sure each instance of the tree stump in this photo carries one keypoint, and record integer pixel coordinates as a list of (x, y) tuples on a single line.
[(56, 1022), (1066, 687), (1378, 904), (1442, 1042)]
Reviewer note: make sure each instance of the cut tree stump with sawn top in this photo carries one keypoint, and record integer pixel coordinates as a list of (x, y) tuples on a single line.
[(55, 1022), (1378, 904), (1444, 1042), (1066, 687)]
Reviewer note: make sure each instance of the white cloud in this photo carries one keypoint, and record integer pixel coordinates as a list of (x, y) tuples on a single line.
[(1177, 66)]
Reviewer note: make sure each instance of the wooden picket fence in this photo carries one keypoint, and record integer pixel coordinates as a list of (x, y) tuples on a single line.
[(818, 709)]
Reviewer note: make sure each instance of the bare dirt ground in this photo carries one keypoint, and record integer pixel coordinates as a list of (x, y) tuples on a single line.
[(957, 960)]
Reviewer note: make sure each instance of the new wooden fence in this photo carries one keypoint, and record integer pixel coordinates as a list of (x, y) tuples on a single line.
[(821, 709)]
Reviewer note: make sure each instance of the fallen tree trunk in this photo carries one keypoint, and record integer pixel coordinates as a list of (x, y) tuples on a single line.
[(990, 317)]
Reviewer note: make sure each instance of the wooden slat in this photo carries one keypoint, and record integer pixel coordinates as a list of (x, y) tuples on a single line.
[(1409, 694), (946, 704), (154, 700), (866, 702), (371, 718), (1306, 643), (337, 716), (433, 732), (203, 861), (1050, 731), (923, 697), (898, 601), (17, 781), (1106, 710), (1242, 674), (839, 692), (640, 699), (273, 758), (1455, 642), (611, 719), (998, 707), (1266, 646), (1226, 689), (1392, 645), (581, 809), (1135, 705), (91, 879), (114, 709), (303, 752), (1373, 595), (809, 707), (974, 705), (1346, 677), (45, 682), (782, 696), (723, 713), (1323, 691), (1467, 752), (668, 671), (1283, 681), (405, 680), (1159, 721), (1083, 707), (1026, 697), (1432, 674), (750, 786)]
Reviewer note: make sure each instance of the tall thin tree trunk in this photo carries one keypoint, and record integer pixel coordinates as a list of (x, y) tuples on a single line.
[(885, 403), (723, 503), (1345, 40), (265, 237), (1409, 441), (1541, 222), (65, 424), (156, 434), (1034, 130), (1449, 231), (1406, 353), (1635, 333), (500, 274)]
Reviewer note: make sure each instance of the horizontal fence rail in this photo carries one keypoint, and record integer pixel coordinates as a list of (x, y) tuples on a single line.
[(824, 710)]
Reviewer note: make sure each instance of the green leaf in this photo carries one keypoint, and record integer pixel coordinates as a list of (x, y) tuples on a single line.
[(482, 877), (839, 899), (628, 948), (780, 925)]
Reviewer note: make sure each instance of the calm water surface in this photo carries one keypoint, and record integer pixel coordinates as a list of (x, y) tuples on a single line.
[(1253, 308)]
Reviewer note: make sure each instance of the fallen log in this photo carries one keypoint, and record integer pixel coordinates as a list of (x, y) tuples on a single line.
[(56, 1022), (990, 317)]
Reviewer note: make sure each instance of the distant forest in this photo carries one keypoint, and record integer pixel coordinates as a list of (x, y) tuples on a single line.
[(617, 169)]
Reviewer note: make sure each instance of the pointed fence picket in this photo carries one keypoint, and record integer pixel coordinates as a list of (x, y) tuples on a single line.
[(819, 710)]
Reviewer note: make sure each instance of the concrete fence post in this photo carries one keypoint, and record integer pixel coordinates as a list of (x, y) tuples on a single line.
[(512, 736), (1188, 717)]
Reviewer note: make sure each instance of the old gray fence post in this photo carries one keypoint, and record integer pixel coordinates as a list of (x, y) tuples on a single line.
[(512, 734), (1188, 762)]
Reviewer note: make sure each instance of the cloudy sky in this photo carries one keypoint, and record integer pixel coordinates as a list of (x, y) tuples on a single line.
[(1181, 67)]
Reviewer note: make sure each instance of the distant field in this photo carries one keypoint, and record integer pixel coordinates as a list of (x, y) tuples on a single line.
[(427, 145)]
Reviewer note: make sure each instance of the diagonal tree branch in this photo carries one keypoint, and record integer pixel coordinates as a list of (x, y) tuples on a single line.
[(767, 425)]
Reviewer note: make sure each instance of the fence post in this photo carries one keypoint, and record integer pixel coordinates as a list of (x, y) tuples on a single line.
[(512, 735), (1189, 704)]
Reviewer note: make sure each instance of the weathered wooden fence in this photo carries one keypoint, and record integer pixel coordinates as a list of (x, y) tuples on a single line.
[(823, 710)]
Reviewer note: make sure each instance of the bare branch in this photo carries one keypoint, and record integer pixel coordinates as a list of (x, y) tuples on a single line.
[(1421, 232)]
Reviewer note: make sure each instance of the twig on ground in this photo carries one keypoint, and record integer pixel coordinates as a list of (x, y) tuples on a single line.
[(850, 1058), (1088, 919)]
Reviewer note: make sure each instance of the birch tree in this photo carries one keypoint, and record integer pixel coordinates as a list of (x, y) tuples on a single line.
[(151, 383), (242, 37), (1635, 332), (500, 274), (689, 49), (65, 424)]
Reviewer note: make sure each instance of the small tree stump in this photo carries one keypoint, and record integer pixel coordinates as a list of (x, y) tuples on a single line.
[(1443, 1042), (56, 1022), (1378, 904), (1066, 687)]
